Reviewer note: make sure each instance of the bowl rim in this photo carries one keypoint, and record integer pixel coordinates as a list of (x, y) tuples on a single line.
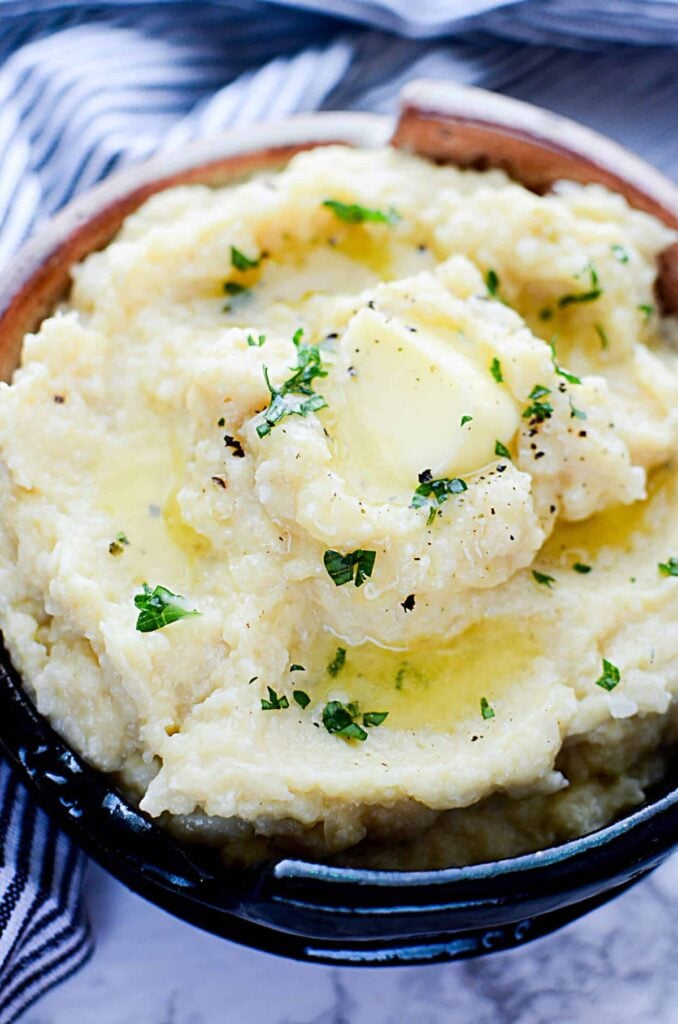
[(295, 868), (280, 139)]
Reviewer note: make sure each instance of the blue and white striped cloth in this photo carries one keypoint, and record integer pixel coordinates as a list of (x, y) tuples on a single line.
[(85, 88)]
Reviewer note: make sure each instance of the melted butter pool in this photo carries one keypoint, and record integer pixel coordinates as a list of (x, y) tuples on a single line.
[(433, 685), (138, 489), (620, 527)]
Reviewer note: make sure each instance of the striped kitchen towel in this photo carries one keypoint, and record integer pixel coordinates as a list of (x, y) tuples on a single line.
[(85, 88)]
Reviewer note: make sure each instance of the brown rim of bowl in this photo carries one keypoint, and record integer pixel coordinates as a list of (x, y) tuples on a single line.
[(39, 276), (471, 127)]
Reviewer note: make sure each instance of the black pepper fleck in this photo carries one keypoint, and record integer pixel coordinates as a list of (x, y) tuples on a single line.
[(233, 443)]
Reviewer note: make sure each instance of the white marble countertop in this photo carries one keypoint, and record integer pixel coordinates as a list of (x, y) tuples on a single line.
[(615, 966)]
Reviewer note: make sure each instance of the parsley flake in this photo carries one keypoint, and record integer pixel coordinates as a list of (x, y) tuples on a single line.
[(495, 370), (236, 291), (486, 709), (432, 493), (297, 668), (355, 565), (602, 334), (578, 413), (501, 450), (338, 718), (301, 698), (539, 410), (572, 299), (569, 377), (492, 283), (338, 662), (620, 253), (295, 397), (274, 702), (611, 676), (543, 579), (117, 546), (670, 567), (465, 419), (372, 718), (256, 342), (353, 213), (242, 262), (159, 608), (646, 309), (581, 567)]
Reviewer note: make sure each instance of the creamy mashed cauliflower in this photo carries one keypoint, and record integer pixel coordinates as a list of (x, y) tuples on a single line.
[(339, 511)]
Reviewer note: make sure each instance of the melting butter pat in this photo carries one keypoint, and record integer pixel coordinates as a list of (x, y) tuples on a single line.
[(404, 402)]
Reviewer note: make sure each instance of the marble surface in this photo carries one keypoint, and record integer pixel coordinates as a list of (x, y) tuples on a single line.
[(615, 966)]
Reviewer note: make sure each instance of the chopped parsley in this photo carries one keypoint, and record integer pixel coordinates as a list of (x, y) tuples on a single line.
[(371, 718), (569, 377), (235, 290), (501, 450), (495, 370), (543, 579), (670, 567), (355, 565), (646, 310), (594, 292), (492, 283), (339, 719), (486, 709), (221, 422), (256, 342), (117, 546), (432, 491), (242, 262), (232, 442), (602, 334), (546, 313), (338, 662), (578, 413), (274, 702), (295, 397), (353, 213), (465, 419), (159, 608), (611, 676), (570, 300), (581, 567), (297, 668), (620, 253), (539, 410), (301, 698)]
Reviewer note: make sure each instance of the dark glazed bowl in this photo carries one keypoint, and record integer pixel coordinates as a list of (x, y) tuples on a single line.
[(311, 911)]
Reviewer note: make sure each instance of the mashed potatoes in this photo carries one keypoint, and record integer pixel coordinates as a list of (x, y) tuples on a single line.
[(341, 504)]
